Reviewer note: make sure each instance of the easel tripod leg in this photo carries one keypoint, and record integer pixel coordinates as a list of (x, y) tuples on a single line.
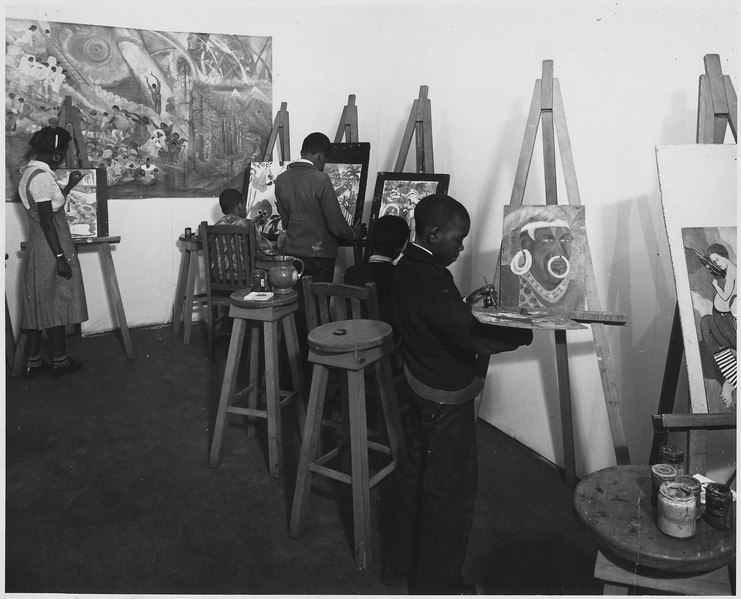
[(117, 301)]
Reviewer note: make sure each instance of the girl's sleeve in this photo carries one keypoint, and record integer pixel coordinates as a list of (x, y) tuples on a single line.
[(43, 188)]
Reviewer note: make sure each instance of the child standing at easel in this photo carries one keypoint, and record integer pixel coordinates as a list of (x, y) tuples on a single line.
[(441, 339)]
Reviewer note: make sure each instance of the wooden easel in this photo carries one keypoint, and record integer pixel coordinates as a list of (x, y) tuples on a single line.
[(716, 110), (77, 158), (547, 107), (348, 127), (77, 150), (419, 125), (280, 132)]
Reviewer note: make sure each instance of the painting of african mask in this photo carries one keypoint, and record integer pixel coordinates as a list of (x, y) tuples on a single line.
[(168, 114), (260, 200), (86, 207), (543, 259), (711, 256), (347, 168), (398, 193)]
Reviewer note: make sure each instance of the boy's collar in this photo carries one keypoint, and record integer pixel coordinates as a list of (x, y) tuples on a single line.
[(424, 249), (379, 258)]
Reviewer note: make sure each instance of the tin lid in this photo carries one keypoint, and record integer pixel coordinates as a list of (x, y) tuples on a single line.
[(671, 454), (676, 492), (690, 481), (664, 471)]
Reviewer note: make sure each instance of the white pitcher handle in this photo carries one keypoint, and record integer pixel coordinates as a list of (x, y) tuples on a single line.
[(301, 270)]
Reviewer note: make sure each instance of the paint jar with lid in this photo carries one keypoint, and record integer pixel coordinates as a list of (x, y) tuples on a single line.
[(669, 454), (696, 487), (676, 510), (719, 506), (660, 473)]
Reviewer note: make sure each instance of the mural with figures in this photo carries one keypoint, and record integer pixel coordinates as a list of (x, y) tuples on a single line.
[(711, 256), (166, 113)]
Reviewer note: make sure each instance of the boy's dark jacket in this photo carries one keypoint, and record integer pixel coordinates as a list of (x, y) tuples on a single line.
[(441, 336)]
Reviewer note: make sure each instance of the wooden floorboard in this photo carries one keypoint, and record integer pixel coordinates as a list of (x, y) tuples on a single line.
[(108, 490)]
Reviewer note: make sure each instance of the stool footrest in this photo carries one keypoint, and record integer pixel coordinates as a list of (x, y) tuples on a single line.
[(331, 473), (379, 447), (381, 474)]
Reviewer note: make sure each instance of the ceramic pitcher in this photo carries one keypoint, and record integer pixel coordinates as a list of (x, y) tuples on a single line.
[(283, 273)]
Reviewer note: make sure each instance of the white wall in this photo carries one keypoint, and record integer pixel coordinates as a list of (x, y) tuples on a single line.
[(628, 73)]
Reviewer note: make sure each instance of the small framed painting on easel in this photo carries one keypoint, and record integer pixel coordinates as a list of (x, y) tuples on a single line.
[(87, 203), (398, 193)]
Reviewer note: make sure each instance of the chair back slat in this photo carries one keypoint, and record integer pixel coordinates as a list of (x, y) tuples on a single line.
[(230, 254), (327, 302)]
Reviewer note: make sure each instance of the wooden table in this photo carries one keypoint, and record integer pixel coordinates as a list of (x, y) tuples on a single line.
[(615, 505), (104, 244)]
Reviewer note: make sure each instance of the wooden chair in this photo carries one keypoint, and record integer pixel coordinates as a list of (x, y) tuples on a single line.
[(327, 302), (230, 253)]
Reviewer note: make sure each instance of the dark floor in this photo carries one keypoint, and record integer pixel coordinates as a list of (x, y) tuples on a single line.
[(109, 491)]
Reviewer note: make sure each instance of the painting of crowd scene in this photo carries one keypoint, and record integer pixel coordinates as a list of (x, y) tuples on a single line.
[(82, 207), (398, 193), (167, 114), (711, 257)]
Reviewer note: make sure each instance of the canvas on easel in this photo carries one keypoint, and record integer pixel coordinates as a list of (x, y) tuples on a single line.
[(699, 200), (87, 203), (261, 206), (398, 194), (347, 168), (258, 189), (542, 259)]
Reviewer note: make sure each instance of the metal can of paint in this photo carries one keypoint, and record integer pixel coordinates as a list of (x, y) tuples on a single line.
[(676, 513), (719, 506), (668, 454), (660, 473), (696, 487)]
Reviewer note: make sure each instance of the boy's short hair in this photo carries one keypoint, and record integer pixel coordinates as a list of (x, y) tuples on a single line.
[(229, 199), (316, 143), (438, 210), (389, 234)]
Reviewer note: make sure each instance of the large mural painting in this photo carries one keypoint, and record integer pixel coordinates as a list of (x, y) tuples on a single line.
[(167, 114)]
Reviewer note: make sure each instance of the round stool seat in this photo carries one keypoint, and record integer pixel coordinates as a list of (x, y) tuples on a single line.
[(237, 299), (349, 335)]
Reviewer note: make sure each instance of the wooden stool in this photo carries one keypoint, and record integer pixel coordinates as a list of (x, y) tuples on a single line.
[(270, 313), (615, 505), (350, 345), (620, 577), (185, 296)]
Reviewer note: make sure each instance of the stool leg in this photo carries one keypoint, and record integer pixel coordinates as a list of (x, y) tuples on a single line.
[(189, 293), (309, 448), (359, 452), (390, 406), (177, 313), (272, 388), (254, 375), (294, 362), (227, 388)]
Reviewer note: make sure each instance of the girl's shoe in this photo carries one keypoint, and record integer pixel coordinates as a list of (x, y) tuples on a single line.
[(68, 367), (30, 372)]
